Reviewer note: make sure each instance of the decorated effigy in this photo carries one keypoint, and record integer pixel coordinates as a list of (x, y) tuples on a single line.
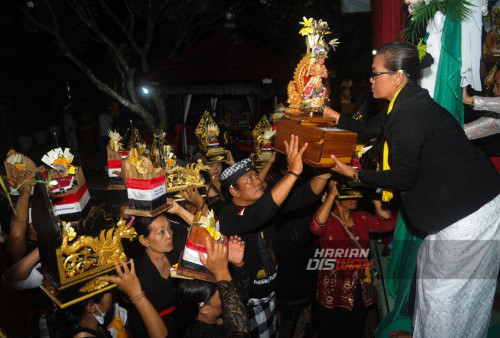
[(146, 186), (177, 177), (115, 152), (203, 228), (73, 255), (307, 98), (208, 132), (263, 139), (67, 184), (21, 169)]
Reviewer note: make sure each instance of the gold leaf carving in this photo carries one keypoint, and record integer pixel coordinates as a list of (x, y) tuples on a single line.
[(86, 252), (93, 285)]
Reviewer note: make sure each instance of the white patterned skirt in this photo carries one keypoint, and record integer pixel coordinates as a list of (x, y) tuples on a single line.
[(457, 270)]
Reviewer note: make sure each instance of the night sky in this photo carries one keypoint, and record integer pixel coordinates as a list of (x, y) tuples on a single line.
[(35, 75)]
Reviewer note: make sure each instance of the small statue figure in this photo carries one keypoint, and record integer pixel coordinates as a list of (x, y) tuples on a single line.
[(314, 90), (306, 92)]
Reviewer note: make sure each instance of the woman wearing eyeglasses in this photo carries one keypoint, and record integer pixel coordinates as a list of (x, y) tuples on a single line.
[(448, 189)]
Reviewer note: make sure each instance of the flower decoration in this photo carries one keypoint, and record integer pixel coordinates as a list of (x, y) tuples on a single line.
[(208, 222), (115, 140), (212, 131), (69, 230), (142, 148), (60, 161), (315, 30), (334, 43), (17, 161), (307, 29), (269, 134), (422, 50), (138, 161)]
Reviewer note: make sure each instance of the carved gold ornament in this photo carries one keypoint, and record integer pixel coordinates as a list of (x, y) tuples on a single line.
[(179, 177), (207, 132), (263, 138), (93, 285), (87, 252)]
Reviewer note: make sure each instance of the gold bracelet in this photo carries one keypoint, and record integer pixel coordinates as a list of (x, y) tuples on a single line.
[(355, 175)]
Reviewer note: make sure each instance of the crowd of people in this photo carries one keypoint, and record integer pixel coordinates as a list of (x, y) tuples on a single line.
[(286, 215)]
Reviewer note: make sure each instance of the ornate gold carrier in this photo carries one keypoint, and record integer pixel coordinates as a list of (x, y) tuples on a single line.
[(207, 132), (263, 139), (71, 264)]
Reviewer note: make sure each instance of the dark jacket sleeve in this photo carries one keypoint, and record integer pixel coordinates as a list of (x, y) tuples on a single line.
[(233, 311), (365, 130), (406, 138)]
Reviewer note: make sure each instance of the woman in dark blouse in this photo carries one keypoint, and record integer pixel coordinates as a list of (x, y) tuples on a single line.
[(162, 248)]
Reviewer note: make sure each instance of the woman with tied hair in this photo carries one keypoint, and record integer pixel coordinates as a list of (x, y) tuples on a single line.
[(216, 309), (161, 249), (448, 189)]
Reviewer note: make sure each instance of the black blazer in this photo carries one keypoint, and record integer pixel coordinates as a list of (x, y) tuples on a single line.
[(441, 175)]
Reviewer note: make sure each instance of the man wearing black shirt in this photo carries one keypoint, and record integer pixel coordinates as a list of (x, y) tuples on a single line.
[(251, 215)]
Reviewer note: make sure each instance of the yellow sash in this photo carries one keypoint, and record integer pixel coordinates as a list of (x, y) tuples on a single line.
[(387, 193)]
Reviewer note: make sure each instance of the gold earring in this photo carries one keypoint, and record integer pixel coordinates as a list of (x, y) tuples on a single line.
[(397, 85)]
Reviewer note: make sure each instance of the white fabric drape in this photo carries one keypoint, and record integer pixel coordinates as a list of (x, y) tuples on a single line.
[(435, 30), (471, 46)]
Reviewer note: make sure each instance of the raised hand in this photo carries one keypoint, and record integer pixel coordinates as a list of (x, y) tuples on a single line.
[(294, 154), (332, 189), (126, 280), (230, 159), (216, 261), (236, 251), (192, 195)]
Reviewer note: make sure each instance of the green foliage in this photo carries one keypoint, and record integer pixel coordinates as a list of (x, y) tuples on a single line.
[(6, 193), (422, 50), (454, 9)]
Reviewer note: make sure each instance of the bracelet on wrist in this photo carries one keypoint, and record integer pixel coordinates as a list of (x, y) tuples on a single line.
[(326, 178), (138, 298), (317, 221), (355, 176), (293, 173)]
